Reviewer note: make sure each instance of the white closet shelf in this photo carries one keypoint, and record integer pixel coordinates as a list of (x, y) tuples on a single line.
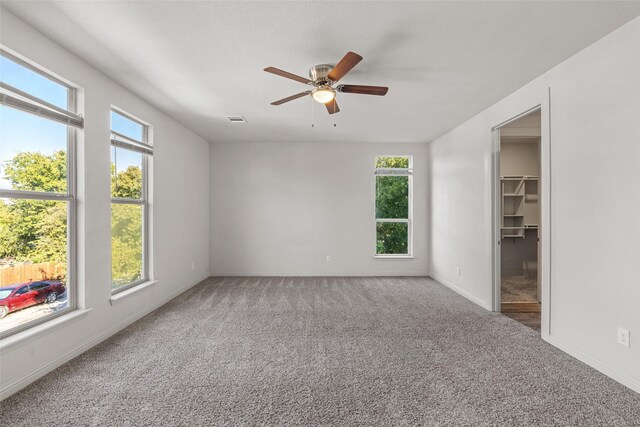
[(519, 192), (518, 177)]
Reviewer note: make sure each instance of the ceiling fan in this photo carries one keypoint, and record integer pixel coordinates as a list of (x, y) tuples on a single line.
[(323, 77)]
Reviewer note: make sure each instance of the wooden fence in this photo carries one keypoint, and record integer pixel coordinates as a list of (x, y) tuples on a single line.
[(21, 273)]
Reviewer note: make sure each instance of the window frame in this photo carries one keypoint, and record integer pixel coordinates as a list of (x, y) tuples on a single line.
[(33, 105), (145, 148), (408, 172)]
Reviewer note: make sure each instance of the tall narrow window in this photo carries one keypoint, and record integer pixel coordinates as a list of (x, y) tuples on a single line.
[(393, 176), (130, 156), (38, 122)]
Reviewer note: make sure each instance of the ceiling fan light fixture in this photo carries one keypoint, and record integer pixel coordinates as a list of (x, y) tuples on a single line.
[(323, 77), (323, 94)]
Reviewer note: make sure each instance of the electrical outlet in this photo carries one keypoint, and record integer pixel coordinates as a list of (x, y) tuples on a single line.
[(328, 258), (458, 270), (193, 265), (623, 337)]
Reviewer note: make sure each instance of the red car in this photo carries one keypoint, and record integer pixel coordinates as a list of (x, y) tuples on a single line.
[(23, 295)]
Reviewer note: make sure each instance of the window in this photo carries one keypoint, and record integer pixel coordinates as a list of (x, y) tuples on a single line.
[(131, 152), (393, 200), (38, 129)]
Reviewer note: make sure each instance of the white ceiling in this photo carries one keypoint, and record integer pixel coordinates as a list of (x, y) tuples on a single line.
[(443, 61)]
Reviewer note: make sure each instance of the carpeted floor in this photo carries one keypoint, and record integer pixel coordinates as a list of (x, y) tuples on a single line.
[(323, 351)]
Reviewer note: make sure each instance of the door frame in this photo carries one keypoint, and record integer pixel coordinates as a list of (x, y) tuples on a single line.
[(544, 229)]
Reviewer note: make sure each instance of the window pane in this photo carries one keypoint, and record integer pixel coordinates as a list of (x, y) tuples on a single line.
[(33, 152), (126, 244), (126, 173), (392, 162), (33, 248), (33, 83), (392, 238), (127, 127), (392, 197)]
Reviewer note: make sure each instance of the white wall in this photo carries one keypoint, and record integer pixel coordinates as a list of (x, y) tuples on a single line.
[(180, 210), (519, 158), (591, 157), (280, 208)]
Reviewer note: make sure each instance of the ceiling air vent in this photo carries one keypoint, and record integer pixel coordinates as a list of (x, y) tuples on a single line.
[(236, 119)]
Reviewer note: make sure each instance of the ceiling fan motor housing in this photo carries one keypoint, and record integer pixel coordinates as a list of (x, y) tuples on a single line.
[(320, 72)]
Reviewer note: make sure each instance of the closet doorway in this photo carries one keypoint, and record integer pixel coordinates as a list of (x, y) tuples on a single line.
[(519, 219)]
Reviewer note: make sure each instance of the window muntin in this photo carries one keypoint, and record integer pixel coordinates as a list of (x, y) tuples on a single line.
[(130, 156), (393, 193), (37, 191)]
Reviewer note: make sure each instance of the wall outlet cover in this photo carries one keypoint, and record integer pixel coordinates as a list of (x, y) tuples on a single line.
[(623, 337)]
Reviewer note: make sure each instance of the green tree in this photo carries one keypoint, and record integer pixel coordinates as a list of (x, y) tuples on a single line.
[(391, 238), (126, 243), (126, 227), (392, 202), (392, 162), (35, 230), (37, 172), (8, 241), (126, 184)]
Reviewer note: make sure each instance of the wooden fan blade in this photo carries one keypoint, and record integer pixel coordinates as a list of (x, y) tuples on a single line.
[(286, 74), (365, 90), (345, 65), (291, 98), (332, 106)]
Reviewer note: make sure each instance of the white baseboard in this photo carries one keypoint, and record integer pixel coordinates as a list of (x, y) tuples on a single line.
[(467, 295), (320, 274), (612, 373), (91, 342)]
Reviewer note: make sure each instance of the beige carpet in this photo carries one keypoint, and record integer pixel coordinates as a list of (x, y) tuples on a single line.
[(519, 288), (323, 352)]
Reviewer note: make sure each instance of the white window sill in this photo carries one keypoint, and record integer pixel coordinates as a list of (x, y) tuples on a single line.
[(135, 289), (42, 329), (393, 257)]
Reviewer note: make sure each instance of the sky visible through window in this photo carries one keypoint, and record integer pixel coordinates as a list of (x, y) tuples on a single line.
[(23, 132), (126, 127), (33, 83), (20, 131), (131, 129)]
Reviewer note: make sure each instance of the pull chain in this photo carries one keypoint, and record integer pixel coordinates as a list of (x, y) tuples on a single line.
[(312, 118)]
